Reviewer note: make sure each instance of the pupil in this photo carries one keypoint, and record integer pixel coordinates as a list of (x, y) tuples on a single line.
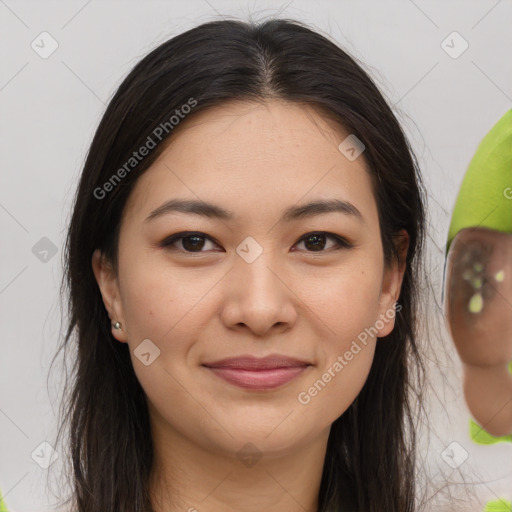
[(187, 244), (318, 238)]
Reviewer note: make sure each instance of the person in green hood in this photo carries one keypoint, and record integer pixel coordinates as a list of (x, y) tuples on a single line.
[(478, 289)]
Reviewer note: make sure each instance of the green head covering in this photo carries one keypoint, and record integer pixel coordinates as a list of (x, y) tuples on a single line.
[(485, 196)]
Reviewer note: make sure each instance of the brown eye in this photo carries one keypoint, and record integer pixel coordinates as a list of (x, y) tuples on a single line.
[(194, 242), (315, 242), (190, 242)]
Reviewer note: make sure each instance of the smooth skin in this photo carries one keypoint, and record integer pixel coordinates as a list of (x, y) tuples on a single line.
[(201, 302)]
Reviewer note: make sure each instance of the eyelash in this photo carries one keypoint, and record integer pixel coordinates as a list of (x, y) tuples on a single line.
[(167, 243)]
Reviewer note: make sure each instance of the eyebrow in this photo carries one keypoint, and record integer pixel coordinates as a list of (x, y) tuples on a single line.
[(205, 209)]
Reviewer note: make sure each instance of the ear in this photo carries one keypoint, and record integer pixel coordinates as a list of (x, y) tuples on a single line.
[(391, 285), (109, 288)]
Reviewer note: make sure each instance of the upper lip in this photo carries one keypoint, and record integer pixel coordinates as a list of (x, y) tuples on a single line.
[(258, 363)]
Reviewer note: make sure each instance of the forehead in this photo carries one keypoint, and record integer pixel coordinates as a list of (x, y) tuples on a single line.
[(255, 157)]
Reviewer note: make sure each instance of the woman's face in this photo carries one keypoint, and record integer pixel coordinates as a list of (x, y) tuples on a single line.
[(250, 283)]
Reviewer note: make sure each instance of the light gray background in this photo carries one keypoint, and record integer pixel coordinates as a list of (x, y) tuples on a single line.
[(50, 108)]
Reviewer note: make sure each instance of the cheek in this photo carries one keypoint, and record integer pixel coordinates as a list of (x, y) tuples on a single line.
[(348, 305), (161, 313), (349, 348), (345, 353), (336, 383), (157, 301), (348, 302), (170, 309)]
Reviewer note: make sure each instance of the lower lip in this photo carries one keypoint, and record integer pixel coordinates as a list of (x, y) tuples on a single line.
[(258, 379)]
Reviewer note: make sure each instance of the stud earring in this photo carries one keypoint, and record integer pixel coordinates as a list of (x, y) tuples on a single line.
[(117, 325)]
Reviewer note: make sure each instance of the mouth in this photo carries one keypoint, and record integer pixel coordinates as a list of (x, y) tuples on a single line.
[(249, 372)]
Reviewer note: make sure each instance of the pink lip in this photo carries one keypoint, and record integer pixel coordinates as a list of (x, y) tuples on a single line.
[(258, 373)]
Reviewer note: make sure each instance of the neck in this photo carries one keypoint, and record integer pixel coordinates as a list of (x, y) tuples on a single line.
[(187, 477)]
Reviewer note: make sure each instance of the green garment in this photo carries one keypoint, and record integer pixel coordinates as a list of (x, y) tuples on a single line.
[(485, 200), (485, 196), (498, 506), (3, 506)]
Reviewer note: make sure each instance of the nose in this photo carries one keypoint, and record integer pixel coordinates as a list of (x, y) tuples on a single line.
[(259, 297)]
